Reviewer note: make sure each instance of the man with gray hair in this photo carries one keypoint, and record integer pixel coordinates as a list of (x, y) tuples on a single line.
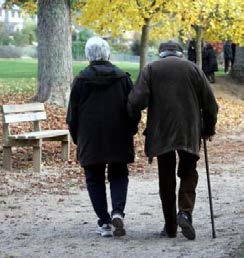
[(103, 132), (178, 97)]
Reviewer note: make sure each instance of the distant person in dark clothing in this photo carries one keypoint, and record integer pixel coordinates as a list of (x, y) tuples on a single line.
[(192, 51), (103, 131), (209, 62), (233, 47), (228, 55)]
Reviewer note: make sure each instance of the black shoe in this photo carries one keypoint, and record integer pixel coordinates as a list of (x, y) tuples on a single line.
[(184, 221), (164, 233)]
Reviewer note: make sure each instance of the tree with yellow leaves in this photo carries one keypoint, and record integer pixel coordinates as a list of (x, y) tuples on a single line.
[(114, 17), (212, 20), (209, 20)]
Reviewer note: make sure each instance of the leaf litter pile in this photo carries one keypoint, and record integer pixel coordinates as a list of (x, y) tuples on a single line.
[(59, 176)]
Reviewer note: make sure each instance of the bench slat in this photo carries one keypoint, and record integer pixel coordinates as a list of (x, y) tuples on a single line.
[(21, 108), (39, 135), (26, 117)]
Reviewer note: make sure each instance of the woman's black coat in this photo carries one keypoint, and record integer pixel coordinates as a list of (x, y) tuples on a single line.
[(209, 60), (192, 51), (97, 116)]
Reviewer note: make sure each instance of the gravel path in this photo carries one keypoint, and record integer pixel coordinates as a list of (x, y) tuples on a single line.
[(48, 225), (47, 215)]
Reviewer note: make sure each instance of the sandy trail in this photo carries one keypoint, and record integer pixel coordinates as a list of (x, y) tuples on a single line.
[(48, 225)]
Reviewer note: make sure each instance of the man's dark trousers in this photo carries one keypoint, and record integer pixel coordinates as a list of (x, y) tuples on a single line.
[(95, 180), (167, 185)]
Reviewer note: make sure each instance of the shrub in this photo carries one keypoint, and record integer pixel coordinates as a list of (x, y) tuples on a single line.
[(78, 50), (10, 52), (4, 37), (78, 46), (30, 51), (20, 39), (30, 30)]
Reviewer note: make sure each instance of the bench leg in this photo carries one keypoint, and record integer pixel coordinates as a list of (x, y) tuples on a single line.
[(66, 149), (37, 157), (7, 164)]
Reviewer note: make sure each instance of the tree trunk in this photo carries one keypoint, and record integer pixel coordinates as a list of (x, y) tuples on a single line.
[(237, 71), (144, 43), (54, 51), (199, 32)]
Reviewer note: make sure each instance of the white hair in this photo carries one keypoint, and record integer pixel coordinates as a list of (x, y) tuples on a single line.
[(97, 49)]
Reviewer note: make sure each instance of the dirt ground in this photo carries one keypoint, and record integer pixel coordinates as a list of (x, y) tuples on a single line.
[(50, 215), (49, 225)]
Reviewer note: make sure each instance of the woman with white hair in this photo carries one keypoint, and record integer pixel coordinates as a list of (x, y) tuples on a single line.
[(100, 126)]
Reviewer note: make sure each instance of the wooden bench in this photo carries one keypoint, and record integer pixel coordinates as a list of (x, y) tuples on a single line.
[(33, 112)]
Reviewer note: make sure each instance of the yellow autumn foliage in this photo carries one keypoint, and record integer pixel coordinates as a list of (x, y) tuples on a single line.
[(115, 17), (220, 19), (29, 6)]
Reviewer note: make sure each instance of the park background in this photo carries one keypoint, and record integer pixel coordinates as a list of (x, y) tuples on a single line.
[(53, 34)]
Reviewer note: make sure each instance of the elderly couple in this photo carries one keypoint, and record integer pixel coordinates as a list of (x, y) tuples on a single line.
[(104, 111)]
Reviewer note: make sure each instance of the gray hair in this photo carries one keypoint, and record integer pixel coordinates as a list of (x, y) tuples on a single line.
[(97, 49)]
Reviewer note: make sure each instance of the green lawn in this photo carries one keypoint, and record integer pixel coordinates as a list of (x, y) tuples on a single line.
[(17, 68), (17, 75), (240, 251)]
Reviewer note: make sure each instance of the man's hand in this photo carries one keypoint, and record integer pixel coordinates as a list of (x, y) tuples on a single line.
[(208, 137)]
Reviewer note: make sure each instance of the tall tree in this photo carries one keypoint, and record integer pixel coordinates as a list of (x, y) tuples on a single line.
[(54, 51), (54, 48), (237, 71), (213, 20), (150, 17)]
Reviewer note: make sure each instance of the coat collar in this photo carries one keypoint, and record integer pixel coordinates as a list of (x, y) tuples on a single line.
[(100, 63), (167, 53)]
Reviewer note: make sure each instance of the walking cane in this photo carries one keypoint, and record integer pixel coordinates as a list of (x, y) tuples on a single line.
[(209, 187)]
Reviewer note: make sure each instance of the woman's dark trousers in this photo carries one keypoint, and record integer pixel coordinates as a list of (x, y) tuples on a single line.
[(117, 175), (167, 185)]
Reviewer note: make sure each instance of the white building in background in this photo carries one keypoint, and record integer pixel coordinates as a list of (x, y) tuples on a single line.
[(12, 19)]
